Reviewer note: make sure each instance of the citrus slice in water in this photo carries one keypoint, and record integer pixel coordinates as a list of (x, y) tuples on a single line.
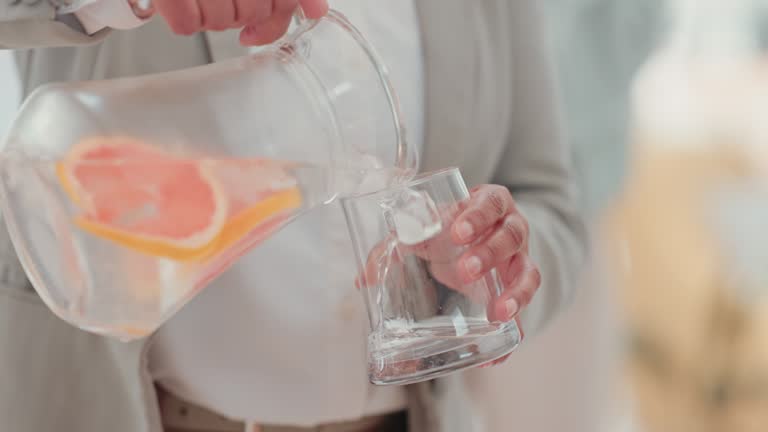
[(160, 204)]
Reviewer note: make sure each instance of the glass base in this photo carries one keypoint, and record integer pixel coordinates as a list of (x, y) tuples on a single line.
[(397, 357)]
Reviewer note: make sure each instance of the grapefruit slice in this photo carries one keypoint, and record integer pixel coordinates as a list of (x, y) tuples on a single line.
[(160, 204)]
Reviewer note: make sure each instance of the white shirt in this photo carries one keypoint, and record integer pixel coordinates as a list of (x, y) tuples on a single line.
[(280, 338)]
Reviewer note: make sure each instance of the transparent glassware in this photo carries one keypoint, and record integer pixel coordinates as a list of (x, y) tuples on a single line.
[(424, 321), (96, 178)]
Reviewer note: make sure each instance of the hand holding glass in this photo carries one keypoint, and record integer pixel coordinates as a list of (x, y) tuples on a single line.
[(425, 320)]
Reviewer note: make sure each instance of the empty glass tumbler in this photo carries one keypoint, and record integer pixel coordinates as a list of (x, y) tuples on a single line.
[(424, 321)]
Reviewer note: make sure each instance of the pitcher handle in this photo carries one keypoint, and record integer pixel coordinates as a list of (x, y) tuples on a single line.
[(301, 25), (407, 158)]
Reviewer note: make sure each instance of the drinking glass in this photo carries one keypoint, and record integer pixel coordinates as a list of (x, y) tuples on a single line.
[(424, 321)]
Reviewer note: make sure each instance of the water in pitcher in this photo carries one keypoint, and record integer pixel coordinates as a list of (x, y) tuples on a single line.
[(124, 234)]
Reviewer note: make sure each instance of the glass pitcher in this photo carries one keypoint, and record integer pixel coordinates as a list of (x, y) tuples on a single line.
[(125, 197)]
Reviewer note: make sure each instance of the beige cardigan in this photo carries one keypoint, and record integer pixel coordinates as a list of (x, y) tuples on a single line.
[(490, 110)]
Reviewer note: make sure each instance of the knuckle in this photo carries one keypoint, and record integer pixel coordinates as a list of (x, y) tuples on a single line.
[(512, 270), (525, 298), (526, 295), (528, 284), (497, 250), (478, 219), (515, 231), (525, 227), (535, 279), (497, 203), (486, 252)]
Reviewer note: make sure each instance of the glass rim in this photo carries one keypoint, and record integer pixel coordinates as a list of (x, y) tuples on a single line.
[(418, 179)]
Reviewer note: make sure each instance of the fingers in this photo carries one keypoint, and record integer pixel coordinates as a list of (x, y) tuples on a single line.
[(488, 205), (507, 239), (217, 15), (284, 6), (252, 12), (521, 279), (263, 21), (272, 28), (314, 9), (182, 16)]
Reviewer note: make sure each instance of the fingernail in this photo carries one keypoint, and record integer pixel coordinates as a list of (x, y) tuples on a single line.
[(464, 230), (474, 266), (512, 308)]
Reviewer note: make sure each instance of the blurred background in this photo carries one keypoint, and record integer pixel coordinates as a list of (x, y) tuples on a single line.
[(9, 94), (663, 103)]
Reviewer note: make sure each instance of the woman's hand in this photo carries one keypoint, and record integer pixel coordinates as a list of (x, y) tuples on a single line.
[(261, 21), (497, 236)]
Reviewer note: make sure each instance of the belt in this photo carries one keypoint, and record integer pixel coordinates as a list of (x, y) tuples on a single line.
[(181, 416)]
